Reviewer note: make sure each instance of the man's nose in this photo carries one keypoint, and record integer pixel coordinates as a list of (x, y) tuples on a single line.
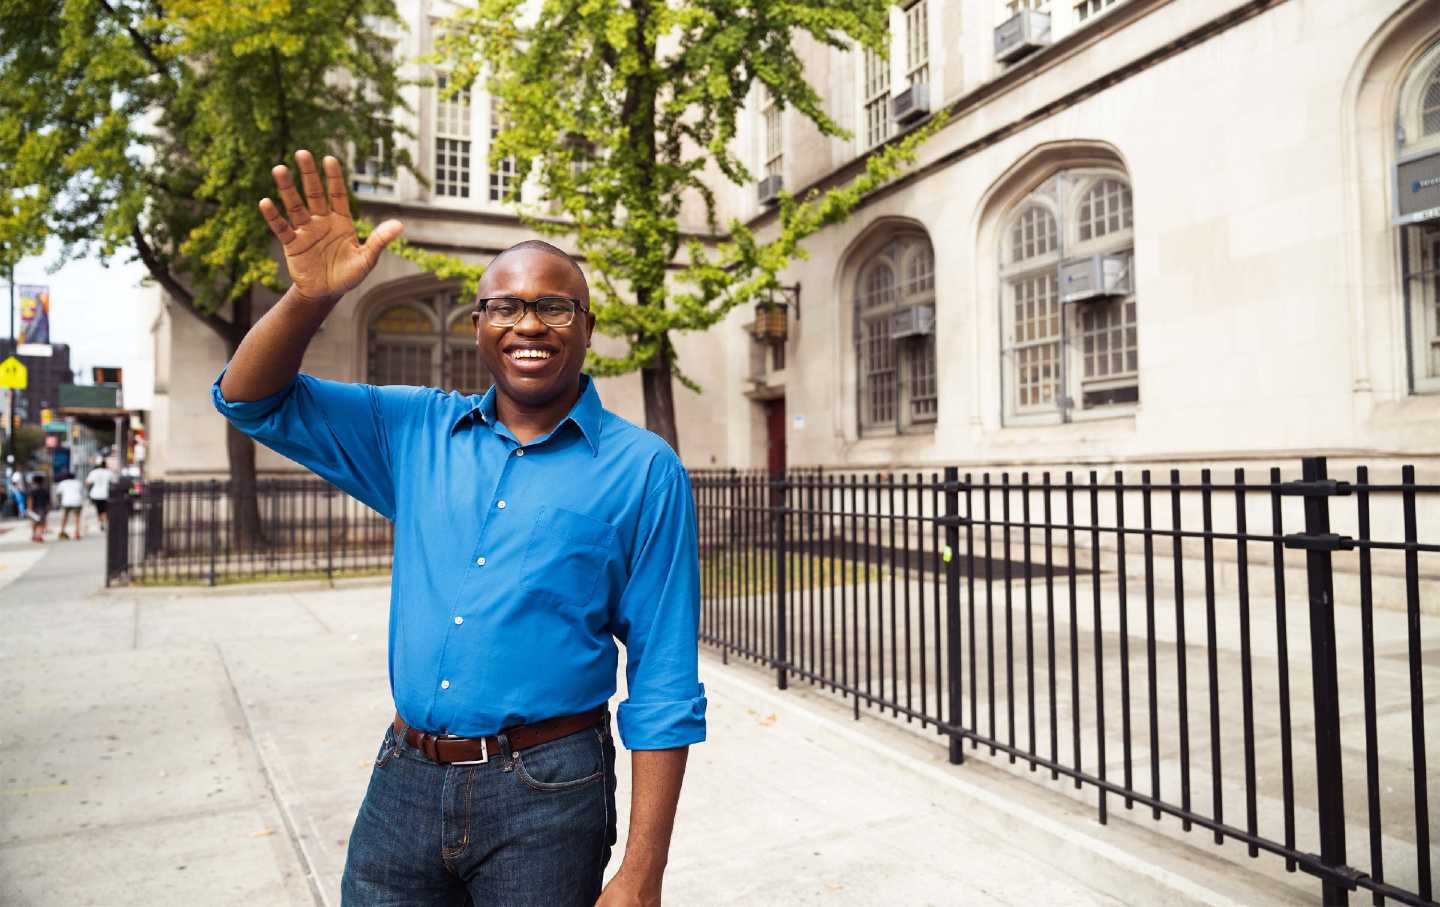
[(530, 322)]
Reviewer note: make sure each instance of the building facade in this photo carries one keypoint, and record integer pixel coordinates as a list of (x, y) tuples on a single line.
[(1152, 231)]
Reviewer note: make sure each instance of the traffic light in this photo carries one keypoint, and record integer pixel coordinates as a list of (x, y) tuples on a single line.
[(46, 416)]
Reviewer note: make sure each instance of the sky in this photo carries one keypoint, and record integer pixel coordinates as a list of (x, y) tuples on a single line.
[(94, 308)]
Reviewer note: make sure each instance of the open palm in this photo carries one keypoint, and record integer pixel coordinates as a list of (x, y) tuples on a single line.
[(324, 257)]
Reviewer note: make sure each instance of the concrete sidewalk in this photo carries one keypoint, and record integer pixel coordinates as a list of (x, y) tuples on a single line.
[(159, 747)]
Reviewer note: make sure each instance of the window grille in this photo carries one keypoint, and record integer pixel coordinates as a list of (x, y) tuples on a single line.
[(1032, 234), (1088, 8), (877, 98), (452, 141), (917, 43), (1106, 208), (878, 355), (1037, 340), (1430, 105), (374, 173), (1019, 6), (898, 386), (502, 171), (774, 140), (406, 346), (1085, 354)]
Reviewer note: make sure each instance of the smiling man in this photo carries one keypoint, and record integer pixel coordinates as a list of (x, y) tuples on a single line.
[(533, 529)]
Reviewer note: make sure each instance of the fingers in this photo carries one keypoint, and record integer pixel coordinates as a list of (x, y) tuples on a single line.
[(278, 224), (335, 186), (381, 237), (299, 214), (310, 180)]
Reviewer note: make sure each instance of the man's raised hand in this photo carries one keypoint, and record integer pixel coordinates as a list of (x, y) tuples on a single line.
[(323, 256)]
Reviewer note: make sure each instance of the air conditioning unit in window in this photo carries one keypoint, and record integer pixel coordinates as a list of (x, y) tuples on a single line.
[(1417, 188), (1022, 33), (1095, 277), (911, 104), (768, 189), (915, 321)]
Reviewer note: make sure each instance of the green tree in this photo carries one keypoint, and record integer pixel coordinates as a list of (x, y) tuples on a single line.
[(149, 128), (622, 112)]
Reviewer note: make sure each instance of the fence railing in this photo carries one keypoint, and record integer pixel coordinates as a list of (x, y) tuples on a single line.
[(205, 532), (1242, 653)]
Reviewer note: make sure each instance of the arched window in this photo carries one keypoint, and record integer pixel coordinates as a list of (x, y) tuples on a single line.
[(1430, 105), (1068, 300), (895, 337), (407, 345)]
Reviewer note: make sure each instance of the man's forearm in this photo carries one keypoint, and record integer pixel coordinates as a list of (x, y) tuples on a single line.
[(270, 355), (655, 791)]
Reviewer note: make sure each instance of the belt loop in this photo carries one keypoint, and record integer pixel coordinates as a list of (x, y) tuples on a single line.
[(509, 762)]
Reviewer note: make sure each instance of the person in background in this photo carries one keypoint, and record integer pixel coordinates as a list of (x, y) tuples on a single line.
[(17, 491), (98, 481), (72, 499), (37, 502)]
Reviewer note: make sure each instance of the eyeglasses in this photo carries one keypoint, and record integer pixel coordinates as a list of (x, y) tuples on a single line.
[(506, 311)]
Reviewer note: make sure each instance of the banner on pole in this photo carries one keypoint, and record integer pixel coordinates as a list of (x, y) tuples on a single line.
[(34, 314)]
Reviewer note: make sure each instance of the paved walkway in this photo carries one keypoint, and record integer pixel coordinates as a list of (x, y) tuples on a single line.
[(152, 751)]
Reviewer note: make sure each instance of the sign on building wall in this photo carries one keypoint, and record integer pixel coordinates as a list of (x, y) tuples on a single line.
[(34, 314), (1417, 188)]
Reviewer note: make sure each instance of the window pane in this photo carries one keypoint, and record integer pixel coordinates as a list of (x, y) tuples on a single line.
[(1105, 209), (1430, 106), (1036, 306)]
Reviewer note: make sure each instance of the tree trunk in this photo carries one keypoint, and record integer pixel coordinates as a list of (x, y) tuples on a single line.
[(240, 450), (660, 398)]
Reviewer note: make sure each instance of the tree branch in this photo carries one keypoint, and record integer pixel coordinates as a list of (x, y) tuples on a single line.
[(162, 275), (142, 45)]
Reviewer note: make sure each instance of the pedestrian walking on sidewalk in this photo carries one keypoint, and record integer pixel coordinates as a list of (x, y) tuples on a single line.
[(37, 506), (72, 499), (98, 481), (17, 489), (533, 529)]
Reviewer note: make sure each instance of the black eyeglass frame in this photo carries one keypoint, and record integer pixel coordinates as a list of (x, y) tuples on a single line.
[(482, 306)]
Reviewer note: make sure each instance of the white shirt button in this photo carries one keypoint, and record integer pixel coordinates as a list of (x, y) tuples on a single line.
[(501, 505), (520, 452), (444, 684), (459, 620), (479, 561)]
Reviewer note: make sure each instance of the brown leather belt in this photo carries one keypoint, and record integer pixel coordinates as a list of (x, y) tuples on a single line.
[(477, 750)]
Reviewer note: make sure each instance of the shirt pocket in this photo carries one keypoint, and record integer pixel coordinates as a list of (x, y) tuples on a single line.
[(566, 556)]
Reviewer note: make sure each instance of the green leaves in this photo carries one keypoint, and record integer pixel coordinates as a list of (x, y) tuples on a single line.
[(135, 125), (626, 113)]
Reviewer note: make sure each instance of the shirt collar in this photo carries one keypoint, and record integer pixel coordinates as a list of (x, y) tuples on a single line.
[(587, 413)]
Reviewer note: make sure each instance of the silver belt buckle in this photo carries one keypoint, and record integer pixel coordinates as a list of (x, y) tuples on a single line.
[(484, 752)]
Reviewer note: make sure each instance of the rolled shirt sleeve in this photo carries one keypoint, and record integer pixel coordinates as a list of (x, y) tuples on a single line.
[(335, 429), (658, 620)]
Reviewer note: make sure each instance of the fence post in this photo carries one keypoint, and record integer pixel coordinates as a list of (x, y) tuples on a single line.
[(214, 490), (329, 535), (117, 535), (951, 520), (1329, 782), (777, 524)]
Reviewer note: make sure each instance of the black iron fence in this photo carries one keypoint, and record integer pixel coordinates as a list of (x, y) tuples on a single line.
[(1244, 654), (206, 532)]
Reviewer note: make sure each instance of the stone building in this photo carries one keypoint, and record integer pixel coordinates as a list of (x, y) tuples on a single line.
[(1154, 231)]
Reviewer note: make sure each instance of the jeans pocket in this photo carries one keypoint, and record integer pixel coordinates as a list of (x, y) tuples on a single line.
[(389, 747), (570, 762)]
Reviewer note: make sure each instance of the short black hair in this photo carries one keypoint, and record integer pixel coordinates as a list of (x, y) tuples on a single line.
[(540, 245)]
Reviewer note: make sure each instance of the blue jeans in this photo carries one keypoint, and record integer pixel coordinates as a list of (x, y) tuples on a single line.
[(527, 828)]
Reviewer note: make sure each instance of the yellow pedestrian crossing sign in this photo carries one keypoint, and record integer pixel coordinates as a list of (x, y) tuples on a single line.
[(13, 374)]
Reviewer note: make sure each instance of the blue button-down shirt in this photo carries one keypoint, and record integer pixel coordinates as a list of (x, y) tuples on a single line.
[(516, 566)]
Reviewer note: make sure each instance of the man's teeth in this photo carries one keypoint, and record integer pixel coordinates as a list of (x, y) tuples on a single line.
[(530, 354)]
